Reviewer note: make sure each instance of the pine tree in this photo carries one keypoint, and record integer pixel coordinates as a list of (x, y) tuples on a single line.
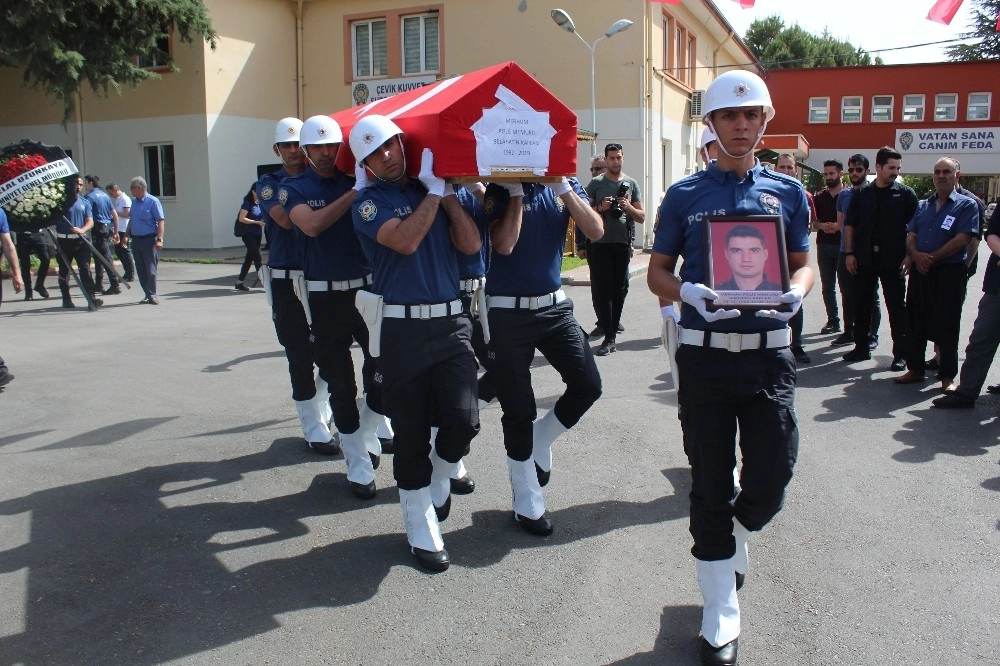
[(61, 43), (983, 28)]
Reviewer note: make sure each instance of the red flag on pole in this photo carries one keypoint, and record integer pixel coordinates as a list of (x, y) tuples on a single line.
[(944, 11)]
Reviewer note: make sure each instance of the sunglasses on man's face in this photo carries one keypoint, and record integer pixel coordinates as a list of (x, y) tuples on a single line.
[(593, 169), (856, 169)]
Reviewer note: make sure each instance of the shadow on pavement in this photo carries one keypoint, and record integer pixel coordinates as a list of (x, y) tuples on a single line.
[(225, 367), (677, 642)]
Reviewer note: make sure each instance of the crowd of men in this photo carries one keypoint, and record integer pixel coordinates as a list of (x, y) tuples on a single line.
[(100, 226)]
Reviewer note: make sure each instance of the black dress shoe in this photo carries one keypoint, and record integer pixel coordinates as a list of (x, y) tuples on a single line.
[(42, 291), (6, 378), (112, 291), (153, 300), (844, 338), (28, 296), (331, 448), (932, 364), (800, 355), (740, 579), (463, 486), (621, 329), (607, 347), (375, 459), (857, 355), (597, 332), (543, 476), (832, 326), (444, 510), (954, 400), (539, 527), (365, 491), (719, 656), (993, 389), (388, 445), (430, 560), (98, 302), (898, 364), (872, 342), (67, 303)]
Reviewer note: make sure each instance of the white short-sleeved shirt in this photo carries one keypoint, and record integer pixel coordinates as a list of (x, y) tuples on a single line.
[(121, 203)]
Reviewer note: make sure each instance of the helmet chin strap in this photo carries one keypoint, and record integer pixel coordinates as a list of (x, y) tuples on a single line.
[(722, 146)]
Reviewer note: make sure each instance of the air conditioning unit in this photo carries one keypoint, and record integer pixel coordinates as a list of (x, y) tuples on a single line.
[(696, 102)]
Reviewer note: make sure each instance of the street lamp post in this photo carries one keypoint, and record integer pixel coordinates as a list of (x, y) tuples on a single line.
[(564, 21)]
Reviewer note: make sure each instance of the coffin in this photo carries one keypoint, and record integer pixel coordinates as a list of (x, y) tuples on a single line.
[(496, 123)]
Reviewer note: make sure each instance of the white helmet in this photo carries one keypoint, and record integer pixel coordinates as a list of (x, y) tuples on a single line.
[(737, 88), (287, 129), (319, 130), (707, 137), (370, 133)]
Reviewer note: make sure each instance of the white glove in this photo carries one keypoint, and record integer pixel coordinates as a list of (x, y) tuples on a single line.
[(477, 188), (515, 189), (697, 295), (361, 177), (793, 297), (433, 184), (560, 188)]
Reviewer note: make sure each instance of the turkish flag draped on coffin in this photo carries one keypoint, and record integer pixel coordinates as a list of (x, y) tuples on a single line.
[(499, 122)]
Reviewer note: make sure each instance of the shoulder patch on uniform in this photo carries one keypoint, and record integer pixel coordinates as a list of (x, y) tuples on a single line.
[(770, 203), (266, 193), (282, 196), (368, 210), (489, 204)]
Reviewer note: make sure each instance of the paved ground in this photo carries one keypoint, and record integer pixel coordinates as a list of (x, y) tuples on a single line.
[(158, 506)]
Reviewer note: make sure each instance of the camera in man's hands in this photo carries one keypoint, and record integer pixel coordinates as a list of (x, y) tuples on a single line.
[(615, 209)]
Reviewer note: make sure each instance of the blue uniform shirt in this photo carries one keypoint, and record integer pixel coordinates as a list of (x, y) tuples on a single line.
[(534, 267), (283, 248), (4, 225), (429, 275), (77, 214), (335, 254), (934, 228), (715, 192), (474, 265), (843, 202), (101, 204), (145, 214)]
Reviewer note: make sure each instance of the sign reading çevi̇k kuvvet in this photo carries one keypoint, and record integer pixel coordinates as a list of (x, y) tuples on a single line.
[(494, 122)]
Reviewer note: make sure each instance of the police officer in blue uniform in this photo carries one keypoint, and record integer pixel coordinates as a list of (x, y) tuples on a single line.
[(77, 221), (412, 230), (318, 203), (284, 267), (736, 369), (104, 232), (529, 311)]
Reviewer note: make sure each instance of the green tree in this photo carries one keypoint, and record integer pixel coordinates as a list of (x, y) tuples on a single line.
[(61, 43), (922, 185), (777, 46), (983, 27)]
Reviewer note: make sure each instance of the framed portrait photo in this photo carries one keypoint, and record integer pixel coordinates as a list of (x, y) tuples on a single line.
[(746, 262)]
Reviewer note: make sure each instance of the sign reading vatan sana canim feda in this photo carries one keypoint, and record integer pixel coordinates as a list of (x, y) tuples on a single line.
[(948, 141)]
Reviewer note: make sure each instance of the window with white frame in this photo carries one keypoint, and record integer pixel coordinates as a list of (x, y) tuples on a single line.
[(979, 106), (882, 108), (913, 108), (850, 109), (158, 58), (158, 160), (946, 106), (370, 48), (420, 44), (819, 109)]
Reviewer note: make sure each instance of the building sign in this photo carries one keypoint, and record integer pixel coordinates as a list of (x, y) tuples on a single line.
[(949, 141), (371, 90)]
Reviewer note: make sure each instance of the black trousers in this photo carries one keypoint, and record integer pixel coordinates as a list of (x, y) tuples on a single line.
[(252, 244), (336, 325), (426, 375), (124, 253), (934, 312), (721, 393), (827, 255), (26, 246), (848, 288), (894, 292), (487, 391), (293, 334), (608, 282), (74, 249), (101, 238), (553, 331)]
